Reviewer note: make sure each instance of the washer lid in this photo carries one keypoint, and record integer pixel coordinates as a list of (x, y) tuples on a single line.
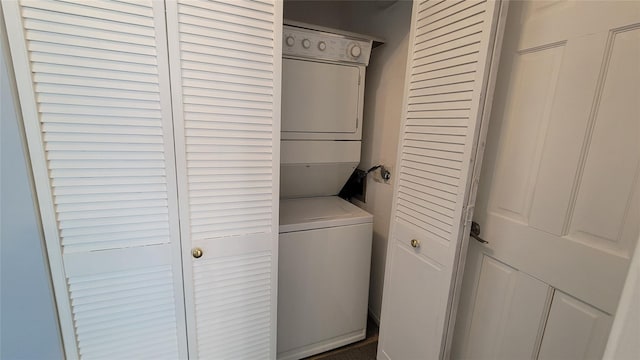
[(319, 212)]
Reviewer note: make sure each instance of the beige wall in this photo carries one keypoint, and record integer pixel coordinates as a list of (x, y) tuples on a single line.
[(384, 85), (623, 341)]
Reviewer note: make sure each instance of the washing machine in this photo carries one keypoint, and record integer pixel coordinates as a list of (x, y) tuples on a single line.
[(325, 241), (324, 259)]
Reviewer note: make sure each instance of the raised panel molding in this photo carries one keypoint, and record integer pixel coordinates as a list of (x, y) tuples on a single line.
[(574, 330), (508, 314), (611, 164), (527, 111), (563, 143)]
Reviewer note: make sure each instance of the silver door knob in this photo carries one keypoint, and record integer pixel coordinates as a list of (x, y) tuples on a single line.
[(415, 243)]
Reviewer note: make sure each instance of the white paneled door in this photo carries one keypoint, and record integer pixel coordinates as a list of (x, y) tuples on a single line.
[(449, 63), (559, 198), (225, 63), (153, 131)]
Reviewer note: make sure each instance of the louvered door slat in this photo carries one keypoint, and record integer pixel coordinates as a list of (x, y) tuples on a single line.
[(94, 86), (226, 58), (451, 46), (83, 32)]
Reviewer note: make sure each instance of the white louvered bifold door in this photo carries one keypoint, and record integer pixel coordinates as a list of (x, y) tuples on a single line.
[(448, 67), (93, 81), (225, 59)]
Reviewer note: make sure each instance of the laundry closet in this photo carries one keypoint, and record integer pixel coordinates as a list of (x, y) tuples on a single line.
[(417, 192), (187, 158), (239, 179), (324, 249)]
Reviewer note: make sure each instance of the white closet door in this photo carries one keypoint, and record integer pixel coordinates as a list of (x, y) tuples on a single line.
[(94, 89), (450, 53), (225, 59)]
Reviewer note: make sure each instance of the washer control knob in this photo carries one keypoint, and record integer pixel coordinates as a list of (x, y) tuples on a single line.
[(290, 41), (322, 46), (355, 50), (306, 43)]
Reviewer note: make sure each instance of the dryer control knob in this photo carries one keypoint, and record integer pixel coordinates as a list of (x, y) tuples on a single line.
[(306, 43), (322, 46), (355, 51), (290, 41)]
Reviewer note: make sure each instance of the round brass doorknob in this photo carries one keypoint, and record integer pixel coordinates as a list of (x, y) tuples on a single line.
[(197, 252), (415, 243)]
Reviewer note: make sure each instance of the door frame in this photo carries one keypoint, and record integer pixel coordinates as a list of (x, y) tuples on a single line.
[(478, 147)]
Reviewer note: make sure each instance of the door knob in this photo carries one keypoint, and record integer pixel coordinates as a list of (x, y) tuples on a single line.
[(415, 243), (475, 232), (197, 252)]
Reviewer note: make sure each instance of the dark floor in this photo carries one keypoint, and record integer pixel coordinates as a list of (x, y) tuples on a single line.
[(361, 350)]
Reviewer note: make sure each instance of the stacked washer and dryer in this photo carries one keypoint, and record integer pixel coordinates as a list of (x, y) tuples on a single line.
[(325, 241)]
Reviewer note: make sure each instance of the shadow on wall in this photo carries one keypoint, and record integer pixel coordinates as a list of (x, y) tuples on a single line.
[(349, 15)]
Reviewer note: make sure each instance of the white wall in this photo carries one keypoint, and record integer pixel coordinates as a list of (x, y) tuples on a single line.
[(624, 339), (28, 322), (384, 85)]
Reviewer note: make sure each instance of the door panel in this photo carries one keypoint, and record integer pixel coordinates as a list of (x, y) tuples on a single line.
[(450, 52), (603, 203), (413, 282), (574, 330), (320, 97), (93, 81), (567, 118), (559, 185), (509, 312), (225, 66), (529, 102)]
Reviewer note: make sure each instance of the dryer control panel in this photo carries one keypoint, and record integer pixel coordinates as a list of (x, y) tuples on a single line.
[(314, 44)]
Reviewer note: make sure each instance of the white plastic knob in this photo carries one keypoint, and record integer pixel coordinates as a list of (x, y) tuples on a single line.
[(290, 41), (306, 43), (322, 46), (355, 51)]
